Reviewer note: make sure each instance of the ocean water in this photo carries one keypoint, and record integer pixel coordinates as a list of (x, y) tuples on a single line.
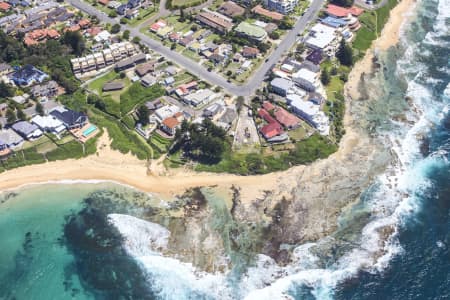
[(105, 241)]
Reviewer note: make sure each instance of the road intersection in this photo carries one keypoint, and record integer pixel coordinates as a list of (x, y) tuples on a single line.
[(194, 68)]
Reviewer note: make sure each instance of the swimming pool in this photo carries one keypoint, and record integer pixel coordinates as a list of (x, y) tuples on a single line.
[(88, 131)]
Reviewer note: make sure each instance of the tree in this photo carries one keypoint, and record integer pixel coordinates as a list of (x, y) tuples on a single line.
[(6, 90), (136, 40), (39, 108), (346, 3), (76, 41), (173, 46), (287, 23), (274, 35), (182, 17), (10, 116), (115, 28), (325, 77), (112, 14), (126, 35), (123, 20), (263, 47), (239, 103), (142, 114), (194, 27), (21, 115), (345, 53)]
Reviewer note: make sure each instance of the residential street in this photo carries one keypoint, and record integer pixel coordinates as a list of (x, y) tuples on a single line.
[(194, 68)]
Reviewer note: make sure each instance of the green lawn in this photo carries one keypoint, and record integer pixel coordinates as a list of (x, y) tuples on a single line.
[(98, 83), (137, 94), (191, 55)]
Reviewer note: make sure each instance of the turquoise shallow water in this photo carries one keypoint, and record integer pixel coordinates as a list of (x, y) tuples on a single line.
[(34, 264)]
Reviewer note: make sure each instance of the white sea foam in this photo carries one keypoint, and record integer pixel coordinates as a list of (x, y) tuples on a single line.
[(169, 277)]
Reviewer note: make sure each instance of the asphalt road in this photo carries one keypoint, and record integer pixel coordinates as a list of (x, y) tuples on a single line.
[(194, 68)]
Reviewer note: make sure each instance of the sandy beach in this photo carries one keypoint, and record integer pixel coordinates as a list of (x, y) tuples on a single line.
[(333, 183)]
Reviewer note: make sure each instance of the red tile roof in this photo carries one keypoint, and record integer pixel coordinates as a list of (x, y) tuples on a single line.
[(4, 6), (258, 9), (249, 51), (268, 106), (262, 113), (271, 130), (340, 11), (84, 23), (171, 122), (103, 2), (285, 118)]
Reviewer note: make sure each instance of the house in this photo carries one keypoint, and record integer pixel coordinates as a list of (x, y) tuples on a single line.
[(213, 110), (21, 99), (158, 25), (215, 20), (153, 105), (281, 86), (145, 68), (5, 69), (275, 16), (27, 130), (250, 52), (315, 57), (320, 37), (49, 89), (231, 9), (71, 119), (48, 124), (10, 139), (122, 9), (114, 4), (200, 97), (227, 118), (4, 6), (103, 2), (342, 12), (186, 41), (286, 119), (271, 130), (84, 23), (113, 86), (282, 6), (169, 80), (268, 106), (186, 88), (165, 112), (309, 112), (251, 31), (164, 31), (171, 70), (130, 62), (306, 79), (148, 80), (28, 75), (170, 125)]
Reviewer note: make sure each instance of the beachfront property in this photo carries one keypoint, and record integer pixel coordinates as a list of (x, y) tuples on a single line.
[(163, 113), (27, 130), (282, 6), (28, 75), (310, 112), (322, 37), (171, 124), (306, 79), (250, 31), (49, 124), (10, 139), (281, 86), (71, 119), (215, 20), (5, 69)]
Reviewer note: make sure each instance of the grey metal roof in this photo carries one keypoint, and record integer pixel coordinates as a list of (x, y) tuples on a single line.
[(24, 127)]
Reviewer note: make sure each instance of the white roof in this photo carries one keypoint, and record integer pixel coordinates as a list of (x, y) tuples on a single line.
[(48, 122), (102, 36), (322, 36), (200, 96), (287, 67), (246, 64), (260, 23), (307, 107), (305, 74), (166, 111)]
